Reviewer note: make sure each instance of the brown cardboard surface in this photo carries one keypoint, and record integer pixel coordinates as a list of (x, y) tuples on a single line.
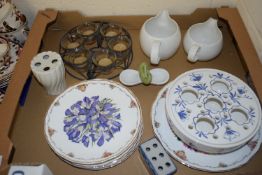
[(27, 132)]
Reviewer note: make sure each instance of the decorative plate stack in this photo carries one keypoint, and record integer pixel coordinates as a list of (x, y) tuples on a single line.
[(13, 33), (9, 52), (94, 125), (208, 119)]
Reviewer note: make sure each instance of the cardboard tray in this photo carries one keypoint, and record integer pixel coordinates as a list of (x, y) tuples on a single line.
[(22, 127)]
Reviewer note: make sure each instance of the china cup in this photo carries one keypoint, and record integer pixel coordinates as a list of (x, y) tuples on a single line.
[(10, 18), (18, 36)]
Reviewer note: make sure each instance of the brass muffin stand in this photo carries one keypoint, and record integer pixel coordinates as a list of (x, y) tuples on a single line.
[(24, 125)]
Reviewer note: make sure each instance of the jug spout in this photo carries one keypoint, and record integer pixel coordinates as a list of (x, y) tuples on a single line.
[(163, 18), (163, 15), (211, 22)]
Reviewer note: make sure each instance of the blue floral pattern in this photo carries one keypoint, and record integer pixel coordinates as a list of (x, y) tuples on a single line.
[(202, 133), (195, 77), (92, 120), (223, 121), (251, 115), (200, 84), (178, 90), (182, 114), (230, 134), (222, 76), (241, 90)]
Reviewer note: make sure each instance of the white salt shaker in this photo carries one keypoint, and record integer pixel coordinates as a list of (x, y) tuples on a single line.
[(49, 70)]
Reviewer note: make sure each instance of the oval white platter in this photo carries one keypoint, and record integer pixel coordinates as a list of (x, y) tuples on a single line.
[(212, 110), (192, 157), (93, 122)]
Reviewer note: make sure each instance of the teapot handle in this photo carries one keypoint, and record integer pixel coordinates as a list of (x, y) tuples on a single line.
[(154, 57), (192, 53)]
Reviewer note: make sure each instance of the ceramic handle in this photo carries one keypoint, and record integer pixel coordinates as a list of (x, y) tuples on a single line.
[(154, 57), (144, 74), (192, 53), (18, 173)]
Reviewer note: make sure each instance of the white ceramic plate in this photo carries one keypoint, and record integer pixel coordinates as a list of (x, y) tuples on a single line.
[(212, 110), (191, 157), (110, 163), (93, 121)]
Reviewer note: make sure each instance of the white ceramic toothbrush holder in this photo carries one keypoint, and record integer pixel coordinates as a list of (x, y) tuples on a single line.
[(49, 70)]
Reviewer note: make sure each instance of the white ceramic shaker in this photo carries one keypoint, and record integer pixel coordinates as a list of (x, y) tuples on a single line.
[(49, 70)]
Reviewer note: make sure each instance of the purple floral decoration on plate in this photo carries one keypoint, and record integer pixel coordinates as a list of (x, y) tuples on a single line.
[(92, 120)]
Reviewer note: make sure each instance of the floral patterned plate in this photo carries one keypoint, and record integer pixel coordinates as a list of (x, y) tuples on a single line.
[(93, 122), (113, 162), (212, 110), (192, 157)]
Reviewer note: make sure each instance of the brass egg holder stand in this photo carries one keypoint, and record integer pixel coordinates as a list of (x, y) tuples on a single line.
[(79, 52)]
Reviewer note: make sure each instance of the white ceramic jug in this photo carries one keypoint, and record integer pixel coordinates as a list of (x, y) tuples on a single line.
[(203, 41), (160, 37)]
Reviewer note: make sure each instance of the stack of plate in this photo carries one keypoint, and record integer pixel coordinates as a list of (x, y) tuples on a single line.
[(9, 52), (94, 125), (13, 33), (202, 108)]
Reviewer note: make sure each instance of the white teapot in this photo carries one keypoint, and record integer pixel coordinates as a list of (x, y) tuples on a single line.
[(160, 37), (203, 41)]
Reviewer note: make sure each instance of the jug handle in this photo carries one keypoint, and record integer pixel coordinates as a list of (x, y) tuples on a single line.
[(192, 53), (154, 57), (18, 172)]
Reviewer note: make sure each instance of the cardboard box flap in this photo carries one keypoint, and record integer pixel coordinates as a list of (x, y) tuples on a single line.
[(245, 45), (34, 141), (21, 72), (22, 69)]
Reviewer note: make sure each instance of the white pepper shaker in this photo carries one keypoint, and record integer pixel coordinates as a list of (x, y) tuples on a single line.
[(49, 70)]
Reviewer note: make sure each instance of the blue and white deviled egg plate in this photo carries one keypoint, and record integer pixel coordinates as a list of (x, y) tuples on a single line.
[(194, 158), (95, 124), (212, 111)]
